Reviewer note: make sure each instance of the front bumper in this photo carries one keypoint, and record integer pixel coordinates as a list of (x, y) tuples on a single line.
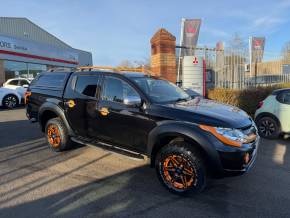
[(236, 161)]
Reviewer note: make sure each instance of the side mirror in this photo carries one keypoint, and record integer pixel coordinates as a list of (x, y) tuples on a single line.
[(132, 101), (25, 86)]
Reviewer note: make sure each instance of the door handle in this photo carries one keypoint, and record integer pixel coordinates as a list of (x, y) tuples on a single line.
[(104, 111)]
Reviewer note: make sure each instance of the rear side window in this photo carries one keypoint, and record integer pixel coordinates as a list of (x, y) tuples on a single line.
[(284, 97), (88, 85), (13, 82), (24, 82), (50, 80)]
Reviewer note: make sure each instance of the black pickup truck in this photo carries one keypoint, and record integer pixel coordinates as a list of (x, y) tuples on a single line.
[(186, 139)]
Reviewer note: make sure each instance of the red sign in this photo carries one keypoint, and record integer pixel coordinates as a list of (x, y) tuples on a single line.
[(257, 48), (220, 46), (258, 43), (191, 29)]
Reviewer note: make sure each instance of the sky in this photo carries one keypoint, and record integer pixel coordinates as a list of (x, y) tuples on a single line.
[(118, 30)]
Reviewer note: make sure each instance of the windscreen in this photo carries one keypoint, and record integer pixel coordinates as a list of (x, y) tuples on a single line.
[(160, 91)]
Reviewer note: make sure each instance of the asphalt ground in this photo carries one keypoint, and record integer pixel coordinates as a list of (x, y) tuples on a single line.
[(92, 182)]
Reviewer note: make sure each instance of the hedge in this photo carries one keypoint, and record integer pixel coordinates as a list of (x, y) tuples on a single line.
[(246, 99)]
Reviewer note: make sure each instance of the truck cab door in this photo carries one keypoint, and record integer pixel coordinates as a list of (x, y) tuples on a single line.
[(81, 100), (118, 123)]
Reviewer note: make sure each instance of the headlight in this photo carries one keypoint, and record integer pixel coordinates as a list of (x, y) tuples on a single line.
[(233, 137)]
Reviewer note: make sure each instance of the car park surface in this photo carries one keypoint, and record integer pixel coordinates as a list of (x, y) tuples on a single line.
[(90, 182)]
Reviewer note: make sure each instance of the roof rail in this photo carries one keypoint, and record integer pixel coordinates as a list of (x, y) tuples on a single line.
[(60, 69), (114, 69)]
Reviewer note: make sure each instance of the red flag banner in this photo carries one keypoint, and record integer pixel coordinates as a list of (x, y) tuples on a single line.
[(190, 34), (257, 45)]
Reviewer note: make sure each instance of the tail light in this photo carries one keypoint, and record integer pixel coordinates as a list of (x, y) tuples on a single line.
[(260, 104), (26, 96)]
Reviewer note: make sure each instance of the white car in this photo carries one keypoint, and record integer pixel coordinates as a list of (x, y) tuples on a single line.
[(273, 114), (9, 98), (13, 91), (18, 84)]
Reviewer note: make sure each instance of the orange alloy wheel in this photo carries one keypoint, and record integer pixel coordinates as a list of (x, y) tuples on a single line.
[(53, 135), (178, 172)]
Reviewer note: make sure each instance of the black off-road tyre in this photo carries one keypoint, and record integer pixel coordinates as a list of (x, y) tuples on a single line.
[(57, 135), (10, 101), (178, 160), (268, 128)]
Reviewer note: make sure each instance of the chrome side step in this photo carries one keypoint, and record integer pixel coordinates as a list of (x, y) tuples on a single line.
[(113, 148)]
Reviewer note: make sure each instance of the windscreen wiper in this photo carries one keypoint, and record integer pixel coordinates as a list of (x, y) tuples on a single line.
[(181, 99)]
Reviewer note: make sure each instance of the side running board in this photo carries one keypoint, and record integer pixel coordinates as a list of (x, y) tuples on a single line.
[(110, 147)]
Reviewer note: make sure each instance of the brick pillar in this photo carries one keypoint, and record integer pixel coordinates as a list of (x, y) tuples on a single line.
[(163, 58), (2, 72)]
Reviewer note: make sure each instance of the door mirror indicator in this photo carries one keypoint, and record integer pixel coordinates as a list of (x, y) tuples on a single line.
[(25, 86), (132, 101)]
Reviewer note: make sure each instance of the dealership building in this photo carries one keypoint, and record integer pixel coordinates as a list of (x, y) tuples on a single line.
[(26, 49)]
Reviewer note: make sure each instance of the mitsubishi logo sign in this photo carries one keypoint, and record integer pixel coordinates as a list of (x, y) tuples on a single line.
[(195, 60), (258, 43), (190, 30), (194, 74)]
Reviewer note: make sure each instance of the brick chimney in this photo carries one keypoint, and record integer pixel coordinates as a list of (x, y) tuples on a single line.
[(163, 58)]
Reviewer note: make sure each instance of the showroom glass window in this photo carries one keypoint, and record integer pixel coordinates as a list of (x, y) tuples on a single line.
[(15, 69), (34, 69)]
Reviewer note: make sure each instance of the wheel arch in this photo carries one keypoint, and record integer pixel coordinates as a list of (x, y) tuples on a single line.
[(167, 138), (163, 135), (50, 110), (18, 97), (267, 114)]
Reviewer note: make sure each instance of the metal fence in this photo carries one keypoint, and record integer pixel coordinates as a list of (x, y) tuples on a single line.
[(231, 68)]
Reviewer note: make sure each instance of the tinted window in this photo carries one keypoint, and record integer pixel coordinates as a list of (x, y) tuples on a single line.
[(159, 90), (23, 82), (13, 82), (51, 80), (88, 85), (284, 97), (117, 90)]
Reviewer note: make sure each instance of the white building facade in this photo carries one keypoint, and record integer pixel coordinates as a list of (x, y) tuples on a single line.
[(26, 49)]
